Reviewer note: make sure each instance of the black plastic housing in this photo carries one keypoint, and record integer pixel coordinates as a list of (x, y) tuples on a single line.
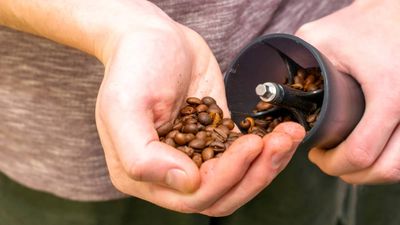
[(260, 61)]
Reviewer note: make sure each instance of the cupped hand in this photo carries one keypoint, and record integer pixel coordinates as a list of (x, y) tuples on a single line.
[(149, 74), (362, 40)]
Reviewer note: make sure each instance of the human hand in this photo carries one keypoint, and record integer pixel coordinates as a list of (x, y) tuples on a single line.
[(362, 40), (149, 74)]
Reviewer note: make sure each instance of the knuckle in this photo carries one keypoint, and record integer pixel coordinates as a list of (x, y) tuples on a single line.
[(304, 30), (360, 156), (137, 169), (389, 175)]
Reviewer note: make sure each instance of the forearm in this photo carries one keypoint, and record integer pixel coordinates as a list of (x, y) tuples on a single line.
[(86, 25)]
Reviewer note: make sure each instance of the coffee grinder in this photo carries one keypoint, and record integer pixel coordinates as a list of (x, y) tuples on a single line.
[(263, 66)]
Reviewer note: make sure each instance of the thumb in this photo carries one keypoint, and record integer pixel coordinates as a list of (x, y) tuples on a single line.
[(144, 158)]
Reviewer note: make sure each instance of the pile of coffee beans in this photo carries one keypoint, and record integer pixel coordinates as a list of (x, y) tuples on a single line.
[(199, 131), (307, 80)]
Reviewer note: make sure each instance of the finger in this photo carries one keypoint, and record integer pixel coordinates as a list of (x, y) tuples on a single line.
[(361, 148), (279, 147), (385, 170), (220, 175)]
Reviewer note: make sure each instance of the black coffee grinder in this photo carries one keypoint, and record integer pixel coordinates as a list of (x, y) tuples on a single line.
[(263, 66)]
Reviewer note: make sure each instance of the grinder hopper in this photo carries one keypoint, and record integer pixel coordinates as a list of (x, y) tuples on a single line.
[(274, 58)]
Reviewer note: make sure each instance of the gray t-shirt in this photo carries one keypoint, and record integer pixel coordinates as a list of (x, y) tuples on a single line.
[(48, 137)]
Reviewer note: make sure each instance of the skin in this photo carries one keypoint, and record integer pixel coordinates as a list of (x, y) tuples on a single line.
[(362, 40), (151, 65)]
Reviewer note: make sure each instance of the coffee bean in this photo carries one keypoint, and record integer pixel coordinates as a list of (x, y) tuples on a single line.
[(301, 73), (214, 108), (202, 135), (228, 123), (207, 153), (208, 100), (298, 80), (172, 134), (204, 118), (190, 120), (164, 129), (193, 101), (311, 118), (190, 128), (187, 110), (187, 150), (201, 108), (261, 123), (170, 142), (263, 106), (218, 146), (218, 155), (216, 117), (189, 137), (200, 131), (180, 138), (197, 143), (178, 126), (219, 135), (197, 159), (209, 128)]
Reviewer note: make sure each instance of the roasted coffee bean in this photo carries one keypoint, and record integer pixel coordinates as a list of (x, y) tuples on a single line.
[(170, 142), (218, 146), (204, 118), (200, 127), (209, 128), (244, 124), (190, 128), (201, 108), (261, 123), (208, 100), (207, 153), (228, 123), (190, 120), (164, 129), (188, 110), (247, 123), (298, 80), (202, 135), (263, 106), (309, 80), (178, 126), (301, 73), (197, 159), (193, 101), (200, 131), (312, 118), (224, 129), (189, 137), (214, 108), (197, 143), (187, 150), (180, 138), (172, 134), (216, 117), (297, 86), (311, 87), (219, 134)]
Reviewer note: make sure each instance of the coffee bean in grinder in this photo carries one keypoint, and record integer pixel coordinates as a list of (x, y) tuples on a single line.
[(280, 77)]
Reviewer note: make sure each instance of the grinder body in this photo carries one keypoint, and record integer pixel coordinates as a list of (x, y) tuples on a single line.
[(261, 61)]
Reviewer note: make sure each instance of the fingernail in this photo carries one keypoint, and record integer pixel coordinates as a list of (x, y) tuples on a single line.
[(177, 179)]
